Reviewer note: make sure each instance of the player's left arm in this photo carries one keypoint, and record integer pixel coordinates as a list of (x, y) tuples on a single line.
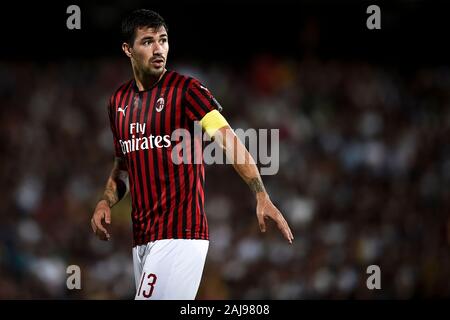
[(219, 130)]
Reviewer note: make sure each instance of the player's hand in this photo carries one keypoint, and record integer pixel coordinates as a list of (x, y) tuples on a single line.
[(265, 210), (102, 212)]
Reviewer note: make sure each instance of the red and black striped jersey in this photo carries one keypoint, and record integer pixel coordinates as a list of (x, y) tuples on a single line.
[(167, 196)]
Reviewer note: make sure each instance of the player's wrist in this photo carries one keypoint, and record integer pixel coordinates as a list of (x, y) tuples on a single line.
[(262, 196), (103, 202)]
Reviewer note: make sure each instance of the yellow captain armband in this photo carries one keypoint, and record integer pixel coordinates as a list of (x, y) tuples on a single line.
[(213, 121)]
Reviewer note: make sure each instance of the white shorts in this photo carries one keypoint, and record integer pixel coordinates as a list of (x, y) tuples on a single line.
[(169, 269)]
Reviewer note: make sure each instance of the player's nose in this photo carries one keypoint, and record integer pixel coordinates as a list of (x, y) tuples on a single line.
[(157, 49)]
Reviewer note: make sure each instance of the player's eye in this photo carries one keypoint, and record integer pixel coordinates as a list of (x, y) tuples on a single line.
[(164, 40), (147, 42)]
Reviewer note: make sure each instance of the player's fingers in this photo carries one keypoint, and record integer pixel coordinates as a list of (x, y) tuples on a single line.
[(290, 235), (287, 234), (98, 224), (290, 232), (282, 220), (284, 228), (285, 231), (101, 235), (285, 224), (262, 224)]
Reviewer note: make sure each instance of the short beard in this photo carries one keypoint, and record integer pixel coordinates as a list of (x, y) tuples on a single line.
[(148, 71)]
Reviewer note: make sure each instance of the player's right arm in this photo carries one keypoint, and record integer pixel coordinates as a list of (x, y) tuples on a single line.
[(116, 189)]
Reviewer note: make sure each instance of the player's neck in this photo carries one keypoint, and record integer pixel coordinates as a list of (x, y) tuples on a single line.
[(146, 81)]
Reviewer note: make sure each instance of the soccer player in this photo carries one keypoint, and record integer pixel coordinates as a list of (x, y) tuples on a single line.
[(170, 230)]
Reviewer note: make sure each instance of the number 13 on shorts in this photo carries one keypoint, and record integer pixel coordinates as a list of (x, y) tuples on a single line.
[(147, 285)]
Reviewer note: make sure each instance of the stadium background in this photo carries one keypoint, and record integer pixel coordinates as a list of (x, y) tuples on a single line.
[(364, 119)]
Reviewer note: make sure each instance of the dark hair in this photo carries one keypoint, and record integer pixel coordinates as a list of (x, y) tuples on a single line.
[(140, 18)]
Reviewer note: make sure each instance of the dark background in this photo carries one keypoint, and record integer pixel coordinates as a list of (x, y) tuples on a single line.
[(412, 32)]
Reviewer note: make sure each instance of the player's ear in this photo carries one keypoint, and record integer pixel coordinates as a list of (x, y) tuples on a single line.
[(127, 49)]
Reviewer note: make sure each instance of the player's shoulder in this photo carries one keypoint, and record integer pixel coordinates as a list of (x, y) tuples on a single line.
[(195, 87), (187, 80)]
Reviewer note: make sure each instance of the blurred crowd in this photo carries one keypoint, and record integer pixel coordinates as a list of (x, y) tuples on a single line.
[(363, 180)]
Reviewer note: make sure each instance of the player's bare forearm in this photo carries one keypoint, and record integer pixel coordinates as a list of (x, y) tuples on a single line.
[(116, 188), (117, 185), (245, 166), (249, 173), (241, 159)]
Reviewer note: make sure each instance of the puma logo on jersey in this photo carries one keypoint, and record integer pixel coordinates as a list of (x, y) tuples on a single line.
[(122, 110)]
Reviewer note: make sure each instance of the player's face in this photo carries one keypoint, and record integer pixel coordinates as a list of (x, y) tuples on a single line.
[(150, 49)]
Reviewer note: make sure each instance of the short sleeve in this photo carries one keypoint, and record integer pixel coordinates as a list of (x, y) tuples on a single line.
[(199, 101)]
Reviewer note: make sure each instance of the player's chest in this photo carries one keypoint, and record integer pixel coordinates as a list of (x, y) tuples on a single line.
[(144, 114)]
